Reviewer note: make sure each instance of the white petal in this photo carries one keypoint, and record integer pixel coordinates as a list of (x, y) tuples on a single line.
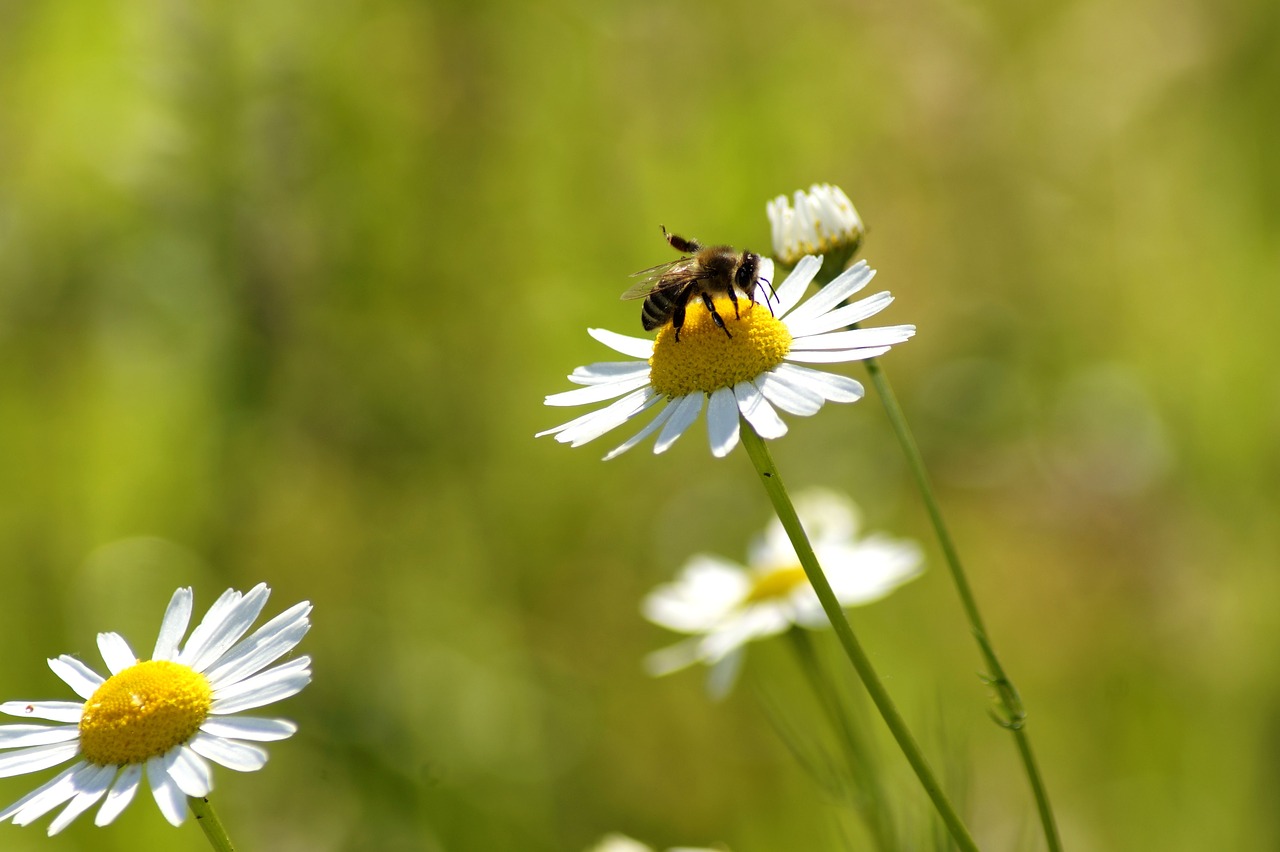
[(168, 796), (54, 711), (249, 728), (35, 758), (227, 630), (83, 680), (604, 372), (593, 425), (265, 688), (858, 338), (791, 290), (687, 408), (649, 428), (832, 387), (841, 317), (844, 285), (598, 392), (788, 396), (673, 658), (722, 422), (233, 755), (834, 356), (628, 406), (24, 736), (176, 618), (189, 771), (225, 603), (44, 798), (758, 412), (122, 791), (723, 674), (705, 592), (116, 652), (636, 347), (267, 644), (91, 783)]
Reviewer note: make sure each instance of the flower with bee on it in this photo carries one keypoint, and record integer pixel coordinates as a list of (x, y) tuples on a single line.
[(752, 367)]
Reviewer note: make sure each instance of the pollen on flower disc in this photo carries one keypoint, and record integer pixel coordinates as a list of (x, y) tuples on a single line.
[(706, 359), (142, 712)]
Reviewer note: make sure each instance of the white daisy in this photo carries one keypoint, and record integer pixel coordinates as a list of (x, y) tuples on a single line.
[(621, 843), (725, 605), (164, 717), (823, 221), (753, 372)]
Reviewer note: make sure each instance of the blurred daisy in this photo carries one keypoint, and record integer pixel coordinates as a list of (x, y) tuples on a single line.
[(163, 718), (823, 221), (754, 372), (621, 843), (725, 605)]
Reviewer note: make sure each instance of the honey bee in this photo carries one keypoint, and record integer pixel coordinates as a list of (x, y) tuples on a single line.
[(705, 272)]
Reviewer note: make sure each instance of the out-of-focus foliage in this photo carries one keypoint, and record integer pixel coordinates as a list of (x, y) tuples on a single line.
[(282, 286)]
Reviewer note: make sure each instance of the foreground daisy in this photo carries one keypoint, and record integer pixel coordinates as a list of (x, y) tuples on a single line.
[(163, 718), (725, 605), (823, 221), (754, 370)]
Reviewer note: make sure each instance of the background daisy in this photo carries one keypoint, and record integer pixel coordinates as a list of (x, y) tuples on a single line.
[(725, 605)]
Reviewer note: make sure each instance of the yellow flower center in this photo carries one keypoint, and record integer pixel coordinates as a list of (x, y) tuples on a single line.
[(706, 359), (775, 583), (143, 712)]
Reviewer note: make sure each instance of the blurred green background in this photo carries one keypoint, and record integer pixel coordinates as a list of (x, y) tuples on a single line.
[(282, 286)]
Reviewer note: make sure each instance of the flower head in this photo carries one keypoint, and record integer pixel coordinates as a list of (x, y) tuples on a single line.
[(823, 221), (164, 717), (724, 605), (753, 369), (616, 842)]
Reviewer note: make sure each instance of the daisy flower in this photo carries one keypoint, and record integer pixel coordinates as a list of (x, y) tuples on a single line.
[(164, 718), (753, 371), (823, 221), (621, 843), (724, 605)]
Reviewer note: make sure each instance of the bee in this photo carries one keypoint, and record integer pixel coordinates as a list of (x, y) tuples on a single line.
[(704, 272)]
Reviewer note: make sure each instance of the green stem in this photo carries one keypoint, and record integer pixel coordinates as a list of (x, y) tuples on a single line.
[(870, 798), (786, 512), (210, 824), (1015, 713)]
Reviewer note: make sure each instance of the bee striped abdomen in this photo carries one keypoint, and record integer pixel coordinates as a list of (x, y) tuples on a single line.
[(657, 309)]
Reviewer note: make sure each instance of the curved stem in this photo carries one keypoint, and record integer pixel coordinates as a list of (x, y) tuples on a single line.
[(786, 512), (869, 798), (1015, 713), (210, 824)]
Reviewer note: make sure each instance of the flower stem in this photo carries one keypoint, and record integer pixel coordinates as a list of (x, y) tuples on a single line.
[(786, 512), (1015, 714), (210, 824), (869, 795)]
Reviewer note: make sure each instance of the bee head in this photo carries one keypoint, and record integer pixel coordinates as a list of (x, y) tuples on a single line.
[(748, 273)]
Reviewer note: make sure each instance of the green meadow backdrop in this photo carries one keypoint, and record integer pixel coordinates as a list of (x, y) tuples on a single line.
[(283, 284)]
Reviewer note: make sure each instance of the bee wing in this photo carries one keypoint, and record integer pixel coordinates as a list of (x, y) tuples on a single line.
[(664, 276)]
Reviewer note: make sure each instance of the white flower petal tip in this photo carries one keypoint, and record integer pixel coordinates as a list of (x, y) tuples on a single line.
[(217, 672), (821, 221), (748, 357), (723, 606)]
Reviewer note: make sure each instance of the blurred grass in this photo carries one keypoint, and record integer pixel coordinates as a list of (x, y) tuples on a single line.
[(282, 286)]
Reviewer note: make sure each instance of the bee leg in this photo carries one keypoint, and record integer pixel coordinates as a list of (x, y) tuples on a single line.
[(711, 306), (733, 297), (677, 319), (682, 244)]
